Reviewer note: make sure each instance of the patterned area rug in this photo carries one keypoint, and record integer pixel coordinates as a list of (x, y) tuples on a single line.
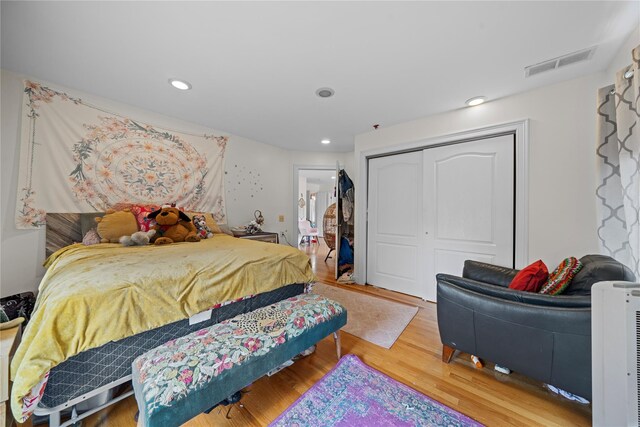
[(376, 320), (354, 394)]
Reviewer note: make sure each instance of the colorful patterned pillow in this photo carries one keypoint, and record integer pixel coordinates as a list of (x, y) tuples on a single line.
[(560, 278), (141, 212)]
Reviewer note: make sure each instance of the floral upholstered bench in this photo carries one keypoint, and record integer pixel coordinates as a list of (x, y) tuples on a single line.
[(187, 376)]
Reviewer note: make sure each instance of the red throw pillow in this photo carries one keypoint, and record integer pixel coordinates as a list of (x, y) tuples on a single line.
[(531, 278), (140, 212)]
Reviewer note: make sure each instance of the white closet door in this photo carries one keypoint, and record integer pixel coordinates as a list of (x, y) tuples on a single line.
[(468, 206), (395, 229)]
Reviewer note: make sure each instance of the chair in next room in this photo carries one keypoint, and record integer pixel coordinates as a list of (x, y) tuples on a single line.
[(308, 233)]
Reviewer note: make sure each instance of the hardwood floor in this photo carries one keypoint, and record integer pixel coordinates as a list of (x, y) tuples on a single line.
[(415, 359)]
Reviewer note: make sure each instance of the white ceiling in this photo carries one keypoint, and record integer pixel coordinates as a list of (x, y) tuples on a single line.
[(255, 67)]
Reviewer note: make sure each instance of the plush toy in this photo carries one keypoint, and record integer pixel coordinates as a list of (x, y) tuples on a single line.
[(173, 225), (139, 238), (253, 227), (115, 224), (202, 228)]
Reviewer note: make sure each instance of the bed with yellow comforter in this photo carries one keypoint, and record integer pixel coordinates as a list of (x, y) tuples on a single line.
[(91, 295)]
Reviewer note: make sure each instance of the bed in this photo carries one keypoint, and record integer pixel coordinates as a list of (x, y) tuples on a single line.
[(101, 306)]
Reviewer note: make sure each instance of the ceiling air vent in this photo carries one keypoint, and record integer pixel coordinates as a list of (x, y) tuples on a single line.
[(561, 61), (532, 70)]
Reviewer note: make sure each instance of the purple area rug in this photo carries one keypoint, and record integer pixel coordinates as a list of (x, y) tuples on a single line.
[(354, 394)]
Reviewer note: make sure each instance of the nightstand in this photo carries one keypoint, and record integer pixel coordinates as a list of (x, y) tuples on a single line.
[(261, 236)]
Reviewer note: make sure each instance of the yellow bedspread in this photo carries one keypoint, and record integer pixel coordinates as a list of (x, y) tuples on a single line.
[(91, 295)]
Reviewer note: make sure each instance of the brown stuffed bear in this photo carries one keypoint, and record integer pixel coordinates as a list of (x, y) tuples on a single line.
[(115, 224), (173, 225)]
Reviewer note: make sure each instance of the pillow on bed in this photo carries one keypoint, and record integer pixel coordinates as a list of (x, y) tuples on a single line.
[(211, 223), (114, 225), (91, 238), (141, 212)]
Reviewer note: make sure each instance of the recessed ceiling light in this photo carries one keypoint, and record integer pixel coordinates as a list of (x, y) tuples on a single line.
[(333, 177), (325, 92), (476, 101), (180, 84), (326, 141)]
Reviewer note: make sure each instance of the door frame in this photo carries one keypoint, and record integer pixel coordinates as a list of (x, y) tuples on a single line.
[(296, 190), (520, 129)]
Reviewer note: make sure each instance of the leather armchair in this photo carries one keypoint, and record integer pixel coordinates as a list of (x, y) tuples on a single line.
[(545, 337)]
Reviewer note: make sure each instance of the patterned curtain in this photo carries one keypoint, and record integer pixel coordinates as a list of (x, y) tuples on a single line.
[(618, 156)]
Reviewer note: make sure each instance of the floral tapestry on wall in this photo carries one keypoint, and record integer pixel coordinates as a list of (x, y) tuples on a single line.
[(76, 157)]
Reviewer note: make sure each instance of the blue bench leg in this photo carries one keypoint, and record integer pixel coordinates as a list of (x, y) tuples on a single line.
[(336, 338)]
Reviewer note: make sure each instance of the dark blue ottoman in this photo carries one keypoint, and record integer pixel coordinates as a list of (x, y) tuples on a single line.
[(186, 376)]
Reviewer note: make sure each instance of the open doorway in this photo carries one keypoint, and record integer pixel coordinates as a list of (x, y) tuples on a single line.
[(314, 193), (323, 212)]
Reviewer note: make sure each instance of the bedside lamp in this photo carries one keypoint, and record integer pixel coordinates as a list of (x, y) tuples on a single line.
[(258, 216)]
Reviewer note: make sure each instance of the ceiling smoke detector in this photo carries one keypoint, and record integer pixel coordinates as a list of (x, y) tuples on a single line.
[(560, 61), (325, 92)]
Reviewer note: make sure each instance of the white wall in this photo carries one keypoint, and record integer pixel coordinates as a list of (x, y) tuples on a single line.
[(258, 176), (623, 57), (302, 194), (315, 158), (322, 203), (562, 175), (311, 204), (21, 251)]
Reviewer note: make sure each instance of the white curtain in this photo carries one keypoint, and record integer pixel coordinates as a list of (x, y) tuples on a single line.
[(618, 156)]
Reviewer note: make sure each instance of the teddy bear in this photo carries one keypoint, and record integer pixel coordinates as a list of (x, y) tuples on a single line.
[(139, 238), (115, 224), (202, 228), (172, 225)]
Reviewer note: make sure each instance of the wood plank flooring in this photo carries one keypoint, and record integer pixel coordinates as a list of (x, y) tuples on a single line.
[(482, 394)]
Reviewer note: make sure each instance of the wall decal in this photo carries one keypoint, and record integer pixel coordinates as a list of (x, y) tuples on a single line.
[(242, 179)]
